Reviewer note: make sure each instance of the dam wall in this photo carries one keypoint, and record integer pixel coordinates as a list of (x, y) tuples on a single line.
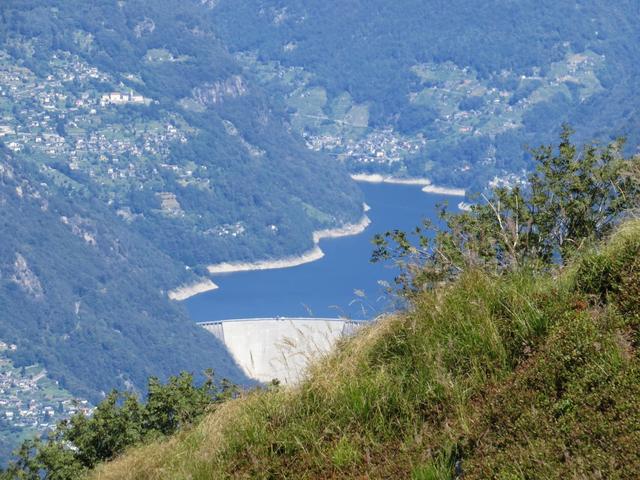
[(279, 348)]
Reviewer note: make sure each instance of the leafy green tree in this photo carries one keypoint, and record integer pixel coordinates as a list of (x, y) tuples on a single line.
[(115, 425), (176, 403), (37, 459), (574, 197), (119, 422)]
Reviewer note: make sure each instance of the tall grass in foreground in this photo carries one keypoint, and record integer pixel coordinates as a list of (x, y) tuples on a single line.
[(522, 376)]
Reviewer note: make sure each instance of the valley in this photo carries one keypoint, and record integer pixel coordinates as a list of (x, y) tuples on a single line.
[(339, 281), (168, 162)]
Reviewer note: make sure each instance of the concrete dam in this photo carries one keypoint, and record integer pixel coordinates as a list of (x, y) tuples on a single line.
[(279, 348)]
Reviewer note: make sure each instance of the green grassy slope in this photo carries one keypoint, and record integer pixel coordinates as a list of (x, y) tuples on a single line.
[(523, 376)]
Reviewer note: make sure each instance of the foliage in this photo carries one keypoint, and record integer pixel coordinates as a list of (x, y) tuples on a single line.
[(523, 364), (574, 198), (119, 422), (612, 273), (119, 46), (104, 320)]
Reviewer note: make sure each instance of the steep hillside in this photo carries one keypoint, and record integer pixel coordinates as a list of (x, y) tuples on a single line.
[(134, 153), (85, 298), (523, 376), (463, 85), (139, 104)]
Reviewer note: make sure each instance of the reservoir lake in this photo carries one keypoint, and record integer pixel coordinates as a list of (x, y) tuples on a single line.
[(344, 283)]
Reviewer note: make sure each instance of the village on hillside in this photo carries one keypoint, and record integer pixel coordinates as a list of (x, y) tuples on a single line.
[(30, 402), (65, 116), (463, 104)]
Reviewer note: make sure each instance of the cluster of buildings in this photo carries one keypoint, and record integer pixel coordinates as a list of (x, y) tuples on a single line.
[(509, 181), (30, 400), (169, 203), (117, 98), (498, 112), (63, 117), (382, 147), (232, 230)]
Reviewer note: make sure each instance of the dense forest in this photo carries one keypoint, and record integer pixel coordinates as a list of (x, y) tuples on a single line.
[(86, 298), (105, 206), (370, 50)]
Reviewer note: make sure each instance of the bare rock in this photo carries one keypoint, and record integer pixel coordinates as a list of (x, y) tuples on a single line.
[(214, 93), (24, 277)]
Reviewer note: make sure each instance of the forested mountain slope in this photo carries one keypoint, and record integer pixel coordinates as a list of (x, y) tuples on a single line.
[(85, 299), (464, 85), (134, 152), (202, 132)]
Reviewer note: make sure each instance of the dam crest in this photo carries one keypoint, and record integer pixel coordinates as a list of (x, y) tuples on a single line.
[(279, 348)]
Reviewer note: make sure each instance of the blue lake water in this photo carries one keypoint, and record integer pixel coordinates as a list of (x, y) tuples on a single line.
[(330, 287)]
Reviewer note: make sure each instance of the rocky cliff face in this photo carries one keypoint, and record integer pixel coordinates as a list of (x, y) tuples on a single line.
[(215, 93), (24, 277)]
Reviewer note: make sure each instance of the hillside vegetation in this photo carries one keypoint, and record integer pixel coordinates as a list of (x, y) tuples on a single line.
[(106, 207), (478, 79), (518, 357), (142, 141)]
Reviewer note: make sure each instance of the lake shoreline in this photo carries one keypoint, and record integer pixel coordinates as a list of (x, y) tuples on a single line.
[(428, 186), (315, 253), (187, 291), (447, 191), (378, 178), (312, 255), (343, 282)]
